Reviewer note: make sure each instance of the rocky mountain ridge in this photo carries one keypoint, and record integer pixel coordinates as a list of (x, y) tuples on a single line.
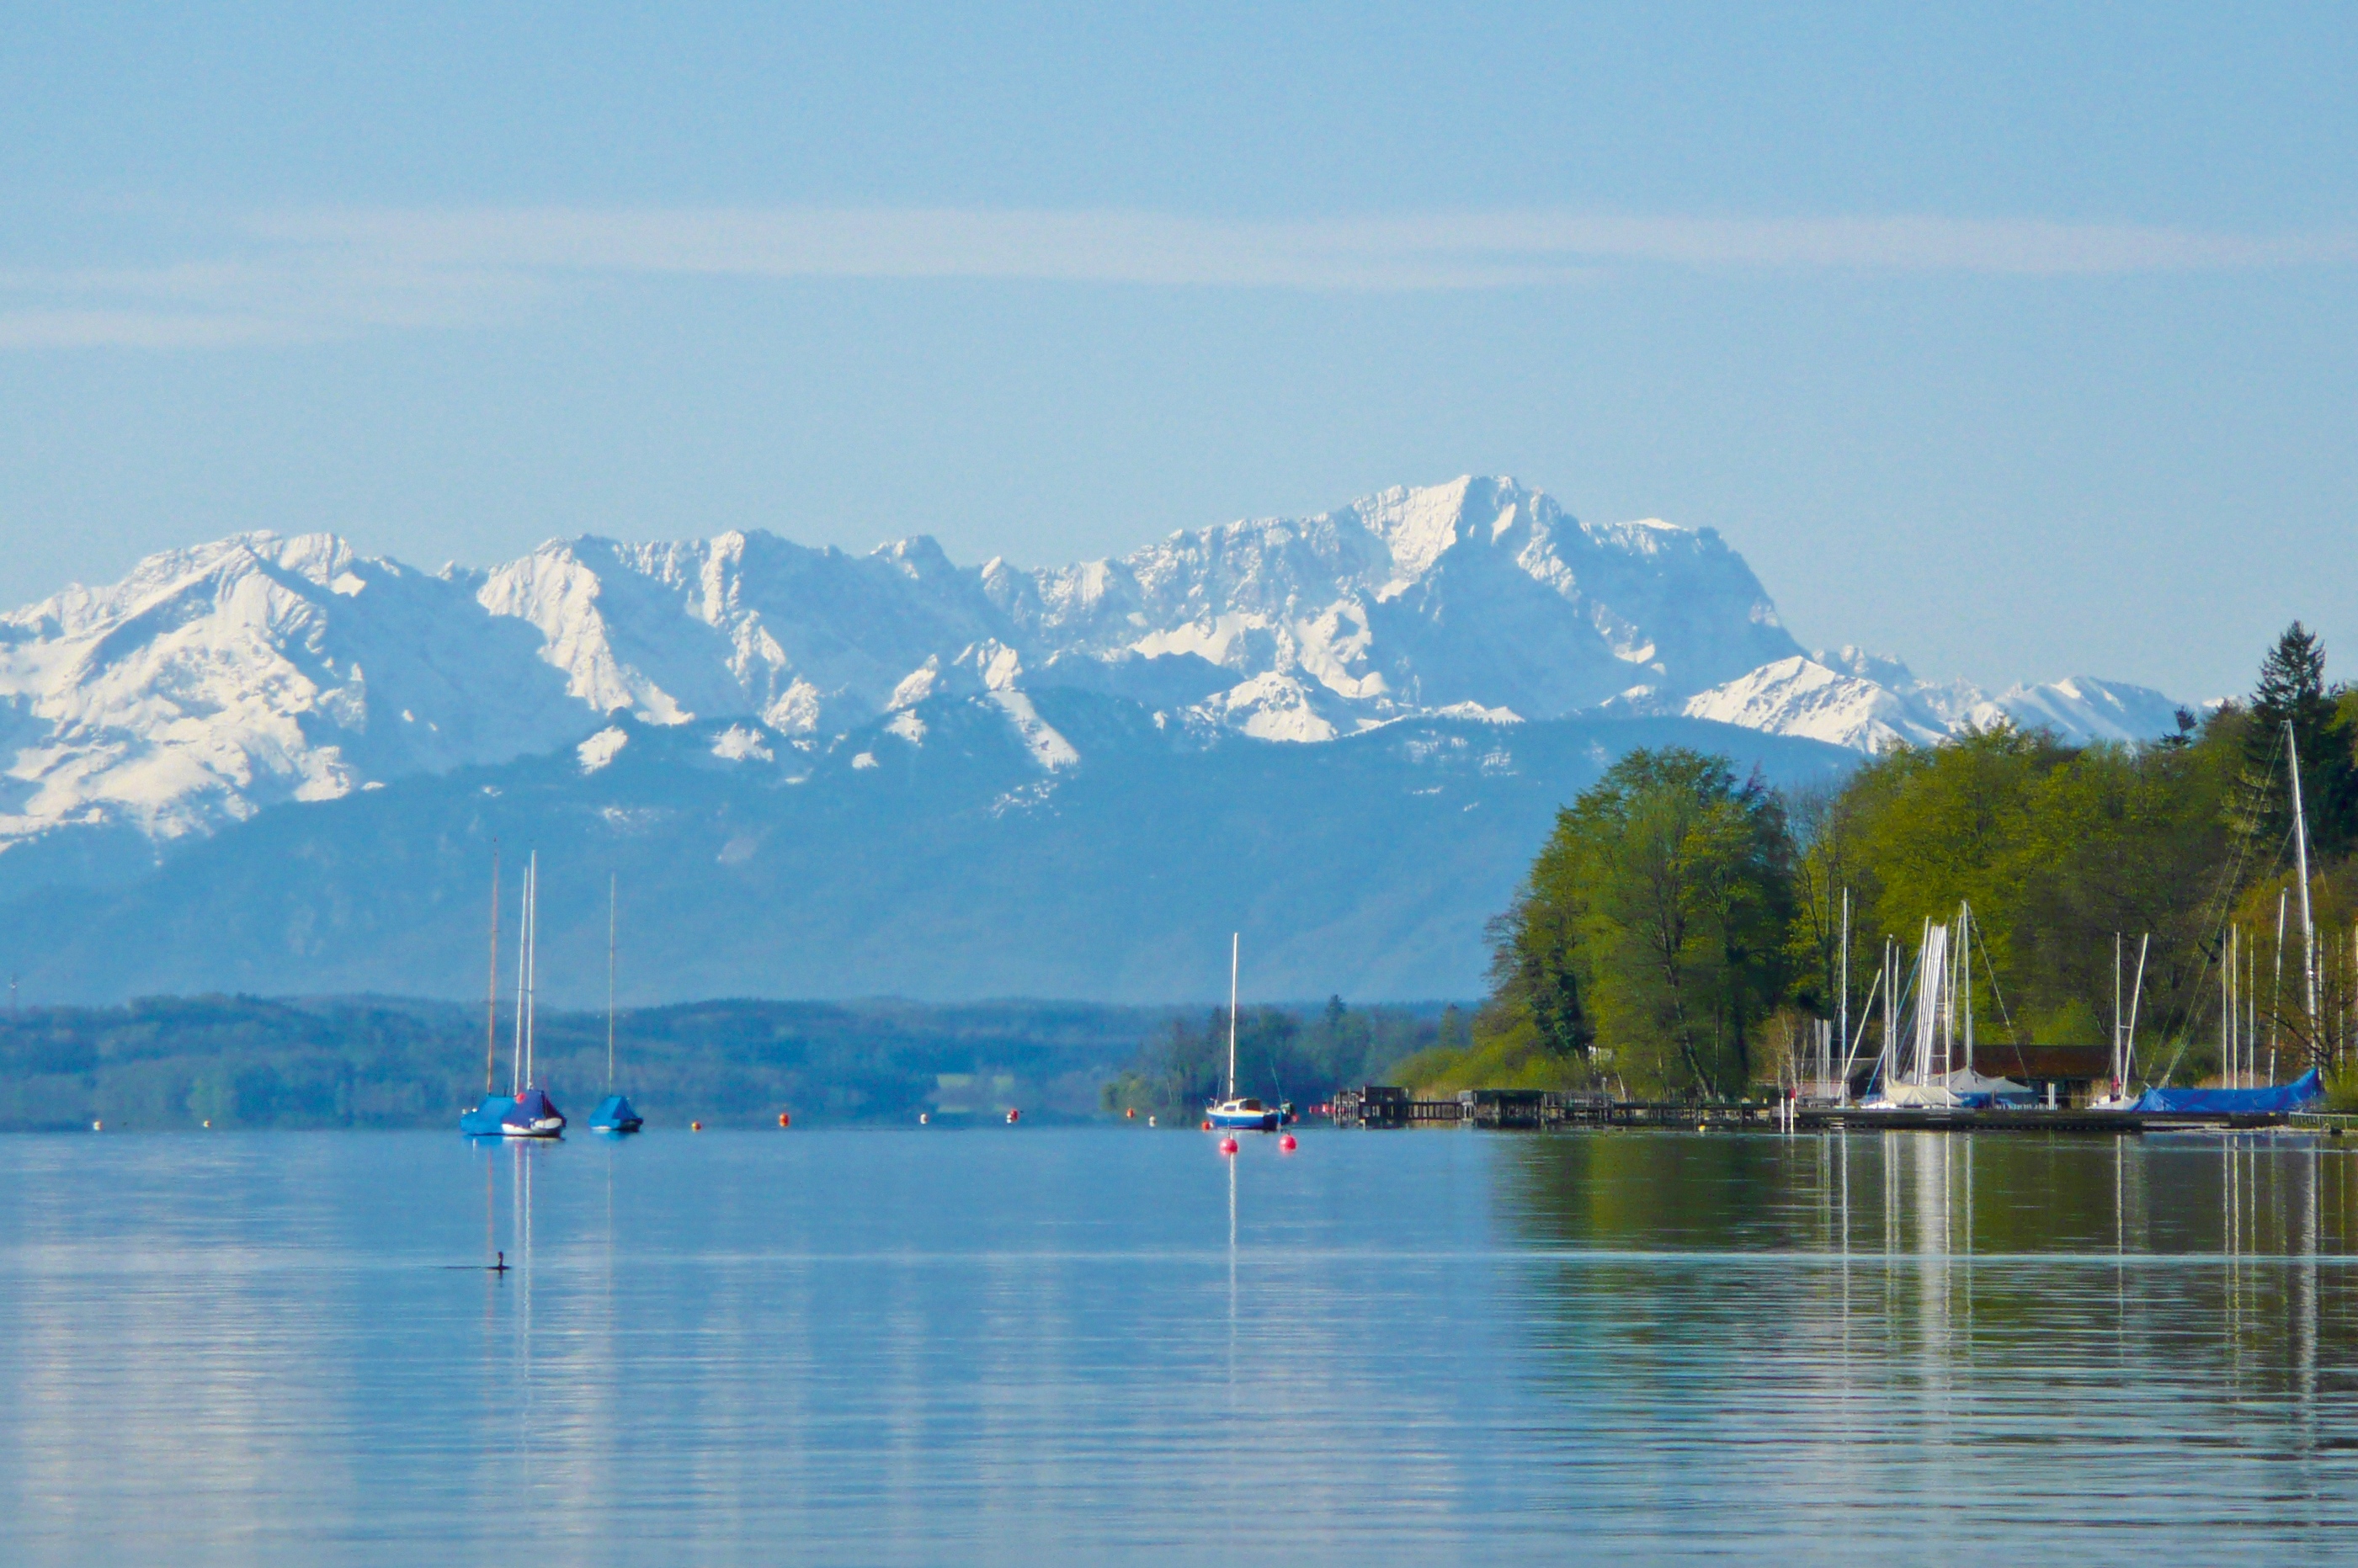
[(220, 680)]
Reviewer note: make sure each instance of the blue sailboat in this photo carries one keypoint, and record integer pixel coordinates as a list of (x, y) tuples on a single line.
[(2239, 1059), (614, 1113), (484, 1120), (533, 1114)]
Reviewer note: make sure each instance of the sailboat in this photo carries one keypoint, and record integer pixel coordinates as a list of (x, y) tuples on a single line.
[(483, 1121), (535, 1115), (1232, 1114), (2117, 1095), (614, 1113), (2241, 1097), (1934, 1075)]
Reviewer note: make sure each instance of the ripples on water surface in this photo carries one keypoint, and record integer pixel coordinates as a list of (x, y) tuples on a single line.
[(1033, 1345)]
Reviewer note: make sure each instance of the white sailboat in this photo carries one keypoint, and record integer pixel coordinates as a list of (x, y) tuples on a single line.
[(1233, 1113), (1934, 1070)]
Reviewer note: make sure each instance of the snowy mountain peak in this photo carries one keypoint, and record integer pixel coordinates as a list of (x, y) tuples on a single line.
[(215, 680), (1870, 703)]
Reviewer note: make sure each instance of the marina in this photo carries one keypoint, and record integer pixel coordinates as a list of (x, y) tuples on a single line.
[(1379, 1105)]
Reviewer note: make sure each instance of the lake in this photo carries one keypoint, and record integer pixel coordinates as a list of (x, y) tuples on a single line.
[(1031, 1345)]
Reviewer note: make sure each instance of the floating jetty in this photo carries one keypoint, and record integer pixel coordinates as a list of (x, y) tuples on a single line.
[(1544, 1110)]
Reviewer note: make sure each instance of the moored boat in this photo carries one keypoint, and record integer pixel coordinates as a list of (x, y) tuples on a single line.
[(1234, 1113), (533, 1114), (484, 1121), (615, 1113), (1246, 1115)]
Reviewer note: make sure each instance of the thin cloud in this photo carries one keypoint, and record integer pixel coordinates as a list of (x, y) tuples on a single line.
[(1439, 250), (138, 329), (307, 275)]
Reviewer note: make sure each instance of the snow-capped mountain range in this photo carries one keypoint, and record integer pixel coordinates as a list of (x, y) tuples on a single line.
[(218, 680)]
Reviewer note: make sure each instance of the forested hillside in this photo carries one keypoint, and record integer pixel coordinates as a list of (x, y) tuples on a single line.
[(1682, 925)]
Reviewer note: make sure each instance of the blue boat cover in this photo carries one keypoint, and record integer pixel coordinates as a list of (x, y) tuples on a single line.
[(532, 1104), (2230, 1102), (483, 1121), (614, 1114)]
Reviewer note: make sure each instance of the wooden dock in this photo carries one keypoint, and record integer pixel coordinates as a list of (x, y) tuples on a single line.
[(1545, 1111)]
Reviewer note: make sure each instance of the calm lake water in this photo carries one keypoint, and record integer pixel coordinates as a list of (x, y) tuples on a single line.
[(1030, 1346)]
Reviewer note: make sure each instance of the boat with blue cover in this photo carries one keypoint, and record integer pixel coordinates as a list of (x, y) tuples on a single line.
[(534, 1115), (484, 1120), (615, 1113)]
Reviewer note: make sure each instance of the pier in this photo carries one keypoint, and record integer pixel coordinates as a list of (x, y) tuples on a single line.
[(1547, 1110)]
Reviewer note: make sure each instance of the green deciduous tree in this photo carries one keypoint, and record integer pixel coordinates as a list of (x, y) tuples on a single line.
[(1654, 923)]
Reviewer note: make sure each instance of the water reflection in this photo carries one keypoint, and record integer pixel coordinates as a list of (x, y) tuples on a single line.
[(1043, 1348), (2155, 1331)]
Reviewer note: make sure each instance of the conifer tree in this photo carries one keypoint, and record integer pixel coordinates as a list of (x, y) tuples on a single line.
[(2292, 690)]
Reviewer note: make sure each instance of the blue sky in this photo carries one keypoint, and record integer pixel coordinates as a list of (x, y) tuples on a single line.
[(2013, 341)]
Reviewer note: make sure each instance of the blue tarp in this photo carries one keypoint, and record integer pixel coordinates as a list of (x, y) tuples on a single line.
[(614, 1115), (2277, 1098), (483, 1121), (532, 1104)]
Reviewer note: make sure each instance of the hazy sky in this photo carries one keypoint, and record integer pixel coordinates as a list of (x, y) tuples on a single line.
[(2013, 341)]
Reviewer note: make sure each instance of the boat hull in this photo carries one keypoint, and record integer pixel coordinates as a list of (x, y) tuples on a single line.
[(1231, 1116), (540, 1126)]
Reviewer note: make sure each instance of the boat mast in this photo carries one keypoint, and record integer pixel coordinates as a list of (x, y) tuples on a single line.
[(532, 960), (2301, 851), (2116, 1015), (1233, 942), (1891, 1067), (613, 885), (2136, 992), (1965, 958), (1841, 1096), (492, 991), (523, 917)]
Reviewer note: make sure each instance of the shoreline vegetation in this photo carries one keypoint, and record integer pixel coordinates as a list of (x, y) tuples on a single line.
[(173, 1063), (231, 1061), (1680, 934)]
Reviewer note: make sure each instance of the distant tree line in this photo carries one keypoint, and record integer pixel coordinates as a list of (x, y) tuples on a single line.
[(1282, 1054), (1680, 930), (234, 1061)]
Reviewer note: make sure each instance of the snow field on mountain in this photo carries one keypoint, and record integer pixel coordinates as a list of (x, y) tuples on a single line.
[(216, 681)]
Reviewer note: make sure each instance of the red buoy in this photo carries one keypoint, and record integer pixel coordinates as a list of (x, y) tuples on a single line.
[(1228, 1145), (1012, 1115), (1287, 1143), (1129, 1113), (696, 1127), (1207, 1127), (784, 1120)]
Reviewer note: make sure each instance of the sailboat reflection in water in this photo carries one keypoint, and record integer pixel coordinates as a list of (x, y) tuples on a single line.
[(614, 1113)]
